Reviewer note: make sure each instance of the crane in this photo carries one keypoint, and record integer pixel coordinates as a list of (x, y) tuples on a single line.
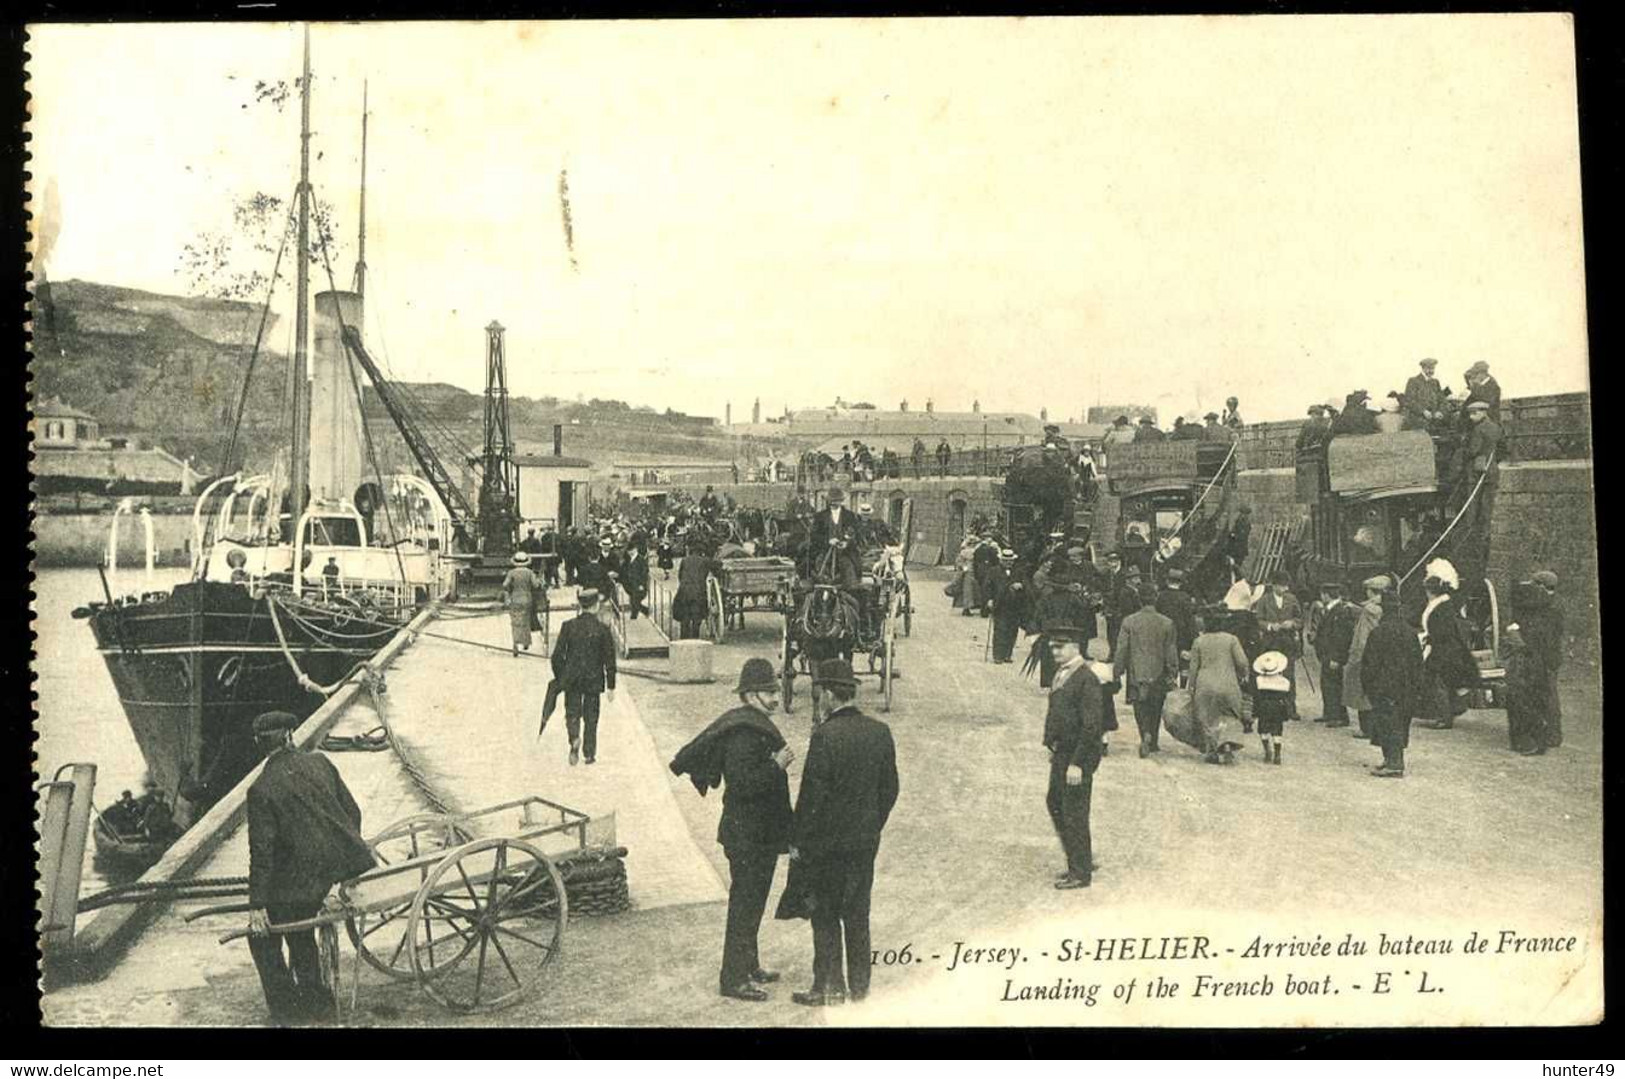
[(457, 503), (499, 475)]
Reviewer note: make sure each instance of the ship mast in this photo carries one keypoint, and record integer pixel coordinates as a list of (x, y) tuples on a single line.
[(361, 248), (299, 478)]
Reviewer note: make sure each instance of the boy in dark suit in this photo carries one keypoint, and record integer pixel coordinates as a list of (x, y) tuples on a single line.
[(848, 788), (584, 664)]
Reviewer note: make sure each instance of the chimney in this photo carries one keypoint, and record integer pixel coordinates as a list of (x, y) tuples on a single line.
[(1043, 414), (904, 406), (728, 414), (976, 406), (756, 411), (930, 406), (558, 440)]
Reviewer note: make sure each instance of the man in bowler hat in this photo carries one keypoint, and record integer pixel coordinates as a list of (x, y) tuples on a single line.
[(848, 788), (584, 666), (744, 752)]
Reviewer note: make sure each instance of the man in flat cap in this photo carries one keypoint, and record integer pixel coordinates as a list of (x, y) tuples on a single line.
[(835, 535), (1477, 466), (743, 751), (1148, 431), (1481, 386), (1313, 432), (1074, 725), (1425, 397), (304, 836), (584, 664), (848, 787)]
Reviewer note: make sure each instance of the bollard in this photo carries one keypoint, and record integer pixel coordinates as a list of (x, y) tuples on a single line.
[(691, 661)]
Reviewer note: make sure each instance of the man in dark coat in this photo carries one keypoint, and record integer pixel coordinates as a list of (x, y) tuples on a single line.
[(945, 454), (848, 787), (743, 751), (634, 575), (1477, 466), (1425, 398), (1280, 620), (549, 544), (1073, 730), (835, 528), (1148, 431), (584, 664), (1312, 435), (1012, 605), (984, 563), (304, 836), (1334, 637), (1481, 386), (1147, 663), (1391, 675), (917, 455), (1180, 608)]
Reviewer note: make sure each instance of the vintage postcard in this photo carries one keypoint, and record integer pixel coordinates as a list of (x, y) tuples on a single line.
[(873, 522)]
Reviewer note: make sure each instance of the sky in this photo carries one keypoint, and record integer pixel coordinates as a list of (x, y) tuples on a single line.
[(1028, 213)]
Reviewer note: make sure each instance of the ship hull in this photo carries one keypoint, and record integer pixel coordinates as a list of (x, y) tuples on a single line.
[(194, 667)]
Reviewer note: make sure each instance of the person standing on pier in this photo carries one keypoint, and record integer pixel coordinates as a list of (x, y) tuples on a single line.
[(584, 664), (1073, 728), (304, 836), (848, 788), (520, 589), (744, 752)]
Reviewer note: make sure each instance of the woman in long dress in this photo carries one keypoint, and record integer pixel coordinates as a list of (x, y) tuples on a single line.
[(519, 591), (1218, 669)]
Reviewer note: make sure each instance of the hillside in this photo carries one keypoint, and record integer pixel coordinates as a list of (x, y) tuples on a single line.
[(169, 370)]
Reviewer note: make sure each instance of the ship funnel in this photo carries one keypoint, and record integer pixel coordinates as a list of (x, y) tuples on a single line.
[(558, 440), (336, 449)]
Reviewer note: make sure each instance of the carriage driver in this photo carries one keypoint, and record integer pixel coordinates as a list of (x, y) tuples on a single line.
[(836, 533), (304, 836)]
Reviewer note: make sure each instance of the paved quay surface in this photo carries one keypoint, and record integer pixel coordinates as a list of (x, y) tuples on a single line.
[(1475, 836)]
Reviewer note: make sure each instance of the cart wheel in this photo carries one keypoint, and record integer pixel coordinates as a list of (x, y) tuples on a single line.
[(787, 667), (506, 902), (379, 936), (718, 617)]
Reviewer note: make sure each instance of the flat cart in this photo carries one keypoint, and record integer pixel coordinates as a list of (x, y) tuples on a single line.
[(473, 922), (822, 621), (745, 584)]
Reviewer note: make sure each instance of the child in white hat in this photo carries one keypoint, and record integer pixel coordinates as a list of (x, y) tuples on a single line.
[(1272, 701)]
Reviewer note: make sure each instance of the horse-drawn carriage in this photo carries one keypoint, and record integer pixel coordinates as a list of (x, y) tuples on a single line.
[(822, 620)]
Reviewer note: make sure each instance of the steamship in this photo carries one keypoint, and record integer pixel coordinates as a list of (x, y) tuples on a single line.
[(288, 595)]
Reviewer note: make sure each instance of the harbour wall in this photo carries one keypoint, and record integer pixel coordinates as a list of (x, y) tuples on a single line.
[(80, 539)]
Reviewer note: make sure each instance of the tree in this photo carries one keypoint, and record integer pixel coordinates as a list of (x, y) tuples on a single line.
[(235, 263)]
